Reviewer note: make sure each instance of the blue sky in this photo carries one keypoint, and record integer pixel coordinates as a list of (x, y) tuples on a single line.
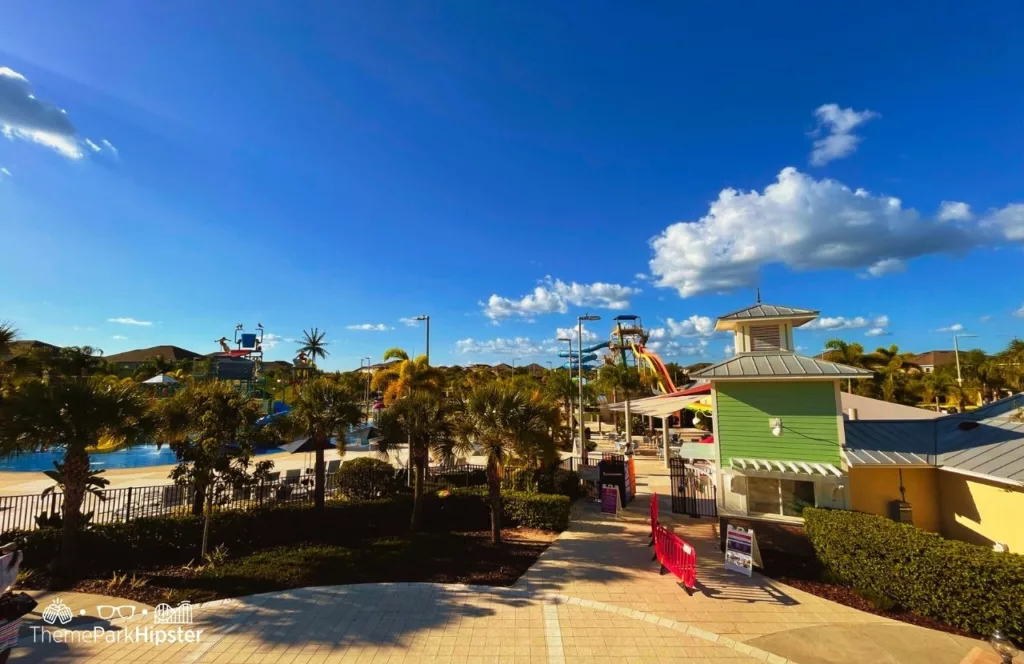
[(506, 169)]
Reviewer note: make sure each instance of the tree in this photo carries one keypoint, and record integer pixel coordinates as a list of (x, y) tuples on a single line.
[(313, 345), (619, 379), (73, 414), (8, 335), (892, 367), (933, 387), (402, 377), (212, 429), (322, 410), (423, 420), (561, 388), (154, 366), (501, 423), (850, 354)]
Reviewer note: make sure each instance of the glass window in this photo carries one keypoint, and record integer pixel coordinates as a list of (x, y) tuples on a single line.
[(771, 496), (796, 495)]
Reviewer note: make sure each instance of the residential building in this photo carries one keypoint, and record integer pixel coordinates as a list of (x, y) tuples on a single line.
[(132, 359), (934, 359)]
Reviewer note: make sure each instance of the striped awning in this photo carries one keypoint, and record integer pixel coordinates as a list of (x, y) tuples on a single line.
[(778, 466)]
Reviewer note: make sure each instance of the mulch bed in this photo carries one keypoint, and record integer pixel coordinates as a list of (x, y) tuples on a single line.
[(460, 557)]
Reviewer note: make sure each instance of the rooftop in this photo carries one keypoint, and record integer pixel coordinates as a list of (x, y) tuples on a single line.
[(173, 353), (761, 311), (778, 365)]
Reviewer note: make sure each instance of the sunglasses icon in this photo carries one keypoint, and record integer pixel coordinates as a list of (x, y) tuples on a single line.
[(107, 612)]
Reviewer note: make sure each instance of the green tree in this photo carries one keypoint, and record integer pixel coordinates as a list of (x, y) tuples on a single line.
[(73, 414), (402, 377), (8, 335), (212, 429), (423, 421), (313, 345), (892, 368), (619, 381), (850, 354), (323, 409)]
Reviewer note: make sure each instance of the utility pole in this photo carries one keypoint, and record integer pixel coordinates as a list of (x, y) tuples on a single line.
[(579, 348), (425, 317)]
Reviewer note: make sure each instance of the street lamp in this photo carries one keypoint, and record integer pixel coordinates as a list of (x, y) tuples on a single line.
[(426, 318), (572, 428), (579, 364), (369, 373), (956, 352)]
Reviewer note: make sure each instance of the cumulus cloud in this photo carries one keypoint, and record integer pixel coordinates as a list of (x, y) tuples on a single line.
[(673, 348), (570, 332), (410, 322), (886, 266), (835, 323), (119, 337), (729, 350), (640, 276), (954, 211), (554, 296), (520, 346), (955, 327), (1019, 313), (835, 137), (4, 173), (809, 224), (369, 327), (271, 341), (986, 318), (877, 332), (110, 146), (24, 116), (125, 320)]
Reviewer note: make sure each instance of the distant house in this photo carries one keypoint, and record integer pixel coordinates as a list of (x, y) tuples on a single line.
[(277, 365), (934, 359), (26, 346), (133, 359), (535, 369)]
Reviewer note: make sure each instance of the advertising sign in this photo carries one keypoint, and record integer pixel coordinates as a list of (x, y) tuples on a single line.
[(740, 544), (609, 499)]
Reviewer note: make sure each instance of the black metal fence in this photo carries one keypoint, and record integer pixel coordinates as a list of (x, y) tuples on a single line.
[(693, 490)]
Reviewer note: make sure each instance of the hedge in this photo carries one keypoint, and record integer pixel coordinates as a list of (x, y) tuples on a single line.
[(176, 540), (964, 585), (367, 478)]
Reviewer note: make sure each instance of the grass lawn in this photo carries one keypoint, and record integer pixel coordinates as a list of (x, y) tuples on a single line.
[(465, 557)]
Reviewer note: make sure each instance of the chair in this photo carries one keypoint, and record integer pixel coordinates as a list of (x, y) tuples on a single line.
[(292, 476), (333, 466), (275, 476)]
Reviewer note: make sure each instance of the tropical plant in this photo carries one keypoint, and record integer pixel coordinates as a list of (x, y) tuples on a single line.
[(313, 345), (73, 414), (892, 368), (322, 410), (933, 387), (94, 483), (423, 422), (562, 388), (154, 366), (401, 377), (8, 335), (618, 380), (850, 354), (212, 429)]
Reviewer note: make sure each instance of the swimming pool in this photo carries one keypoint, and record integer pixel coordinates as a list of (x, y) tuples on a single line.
[(140, 456)]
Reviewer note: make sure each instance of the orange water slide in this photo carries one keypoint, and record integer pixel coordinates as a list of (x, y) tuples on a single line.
[(652, 359)]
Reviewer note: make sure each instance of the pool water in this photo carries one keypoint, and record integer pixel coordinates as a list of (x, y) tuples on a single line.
[(140, 456)]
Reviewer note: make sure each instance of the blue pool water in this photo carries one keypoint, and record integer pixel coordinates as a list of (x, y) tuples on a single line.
[(132, 457)]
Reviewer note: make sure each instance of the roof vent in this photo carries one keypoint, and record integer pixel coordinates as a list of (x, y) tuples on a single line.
[(968, 425)]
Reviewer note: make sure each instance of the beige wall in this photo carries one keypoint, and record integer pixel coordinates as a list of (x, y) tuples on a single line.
[(871, 490), (982, 512)]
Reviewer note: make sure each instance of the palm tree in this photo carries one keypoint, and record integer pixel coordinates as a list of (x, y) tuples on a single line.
[(313, 345), (502, 423), (8, 335), (212, 429), (619, 379), (850, 354), (934, 386), (891, 367), (323, 409), (73, 414), (423, 420), (401, 378), (562, 388)]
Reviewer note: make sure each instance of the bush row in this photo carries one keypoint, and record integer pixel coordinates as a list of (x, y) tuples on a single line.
[(177, 540), (963, 585)]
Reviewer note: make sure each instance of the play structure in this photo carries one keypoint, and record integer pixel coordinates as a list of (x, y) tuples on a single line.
[(242, 363), (589, 354), (628, 345)]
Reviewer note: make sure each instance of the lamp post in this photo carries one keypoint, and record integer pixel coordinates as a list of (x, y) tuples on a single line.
[(369, 374), (956, 353), (514, 365), (572, 429), (425, 317), (579, 364)]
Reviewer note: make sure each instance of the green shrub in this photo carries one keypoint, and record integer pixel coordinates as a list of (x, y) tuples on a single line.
[(469, 509), (964, 585), (367, 478)]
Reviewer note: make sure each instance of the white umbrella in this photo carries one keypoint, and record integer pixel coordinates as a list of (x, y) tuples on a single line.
[(162, 379)]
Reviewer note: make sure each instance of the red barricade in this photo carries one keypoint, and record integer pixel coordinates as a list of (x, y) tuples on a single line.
[(654, 513), (676, 556)]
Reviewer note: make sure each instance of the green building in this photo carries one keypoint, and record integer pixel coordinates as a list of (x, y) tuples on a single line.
[(778, 418)]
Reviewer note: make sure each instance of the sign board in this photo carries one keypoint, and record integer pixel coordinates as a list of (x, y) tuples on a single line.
[(740, 546), (609, 499)]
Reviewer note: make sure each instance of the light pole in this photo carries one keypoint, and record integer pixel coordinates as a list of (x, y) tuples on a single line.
[(956, 352), (572, 429), (426, 318), (514, 365), (369, 373), (579, 364)]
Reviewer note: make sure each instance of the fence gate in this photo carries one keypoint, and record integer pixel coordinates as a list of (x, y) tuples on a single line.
[(693, 491)]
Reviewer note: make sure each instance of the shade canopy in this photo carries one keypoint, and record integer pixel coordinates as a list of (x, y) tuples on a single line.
[(662, 406), (307, 444), (160, 379)]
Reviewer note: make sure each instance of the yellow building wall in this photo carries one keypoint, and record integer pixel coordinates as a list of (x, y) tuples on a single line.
[(872, 489), (981, 512)]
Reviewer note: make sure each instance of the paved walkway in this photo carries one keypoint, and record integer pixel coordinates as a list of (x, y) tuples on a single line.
[(593, 596)]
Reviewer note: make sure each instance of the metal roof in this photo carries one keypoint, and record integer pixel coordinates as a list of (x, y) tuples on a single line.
[(779, 364), (768, 311), (986, 441), (890, 442)]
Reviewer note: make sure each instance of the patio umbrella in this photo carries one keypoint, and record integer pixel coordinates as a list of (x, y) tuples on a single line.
[(307, 444), (160, 379)]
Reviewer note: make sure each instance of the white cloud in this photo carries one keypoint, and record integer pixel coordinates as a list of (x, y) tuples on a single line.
[(570, 332), (640, 276), (271, 341), (877, 332), (4, 173), (554, 296), (92, 146), (835, 137), (694, 326), (728, 350), (119, 337), (518, 346), (110, 146), (124, 320), (410, 322), (672, 348), (1019, 313), (26, 117), (835, 323), (986, 318), (954, 211), (369, 327), (955, 327), (809, 224), (886, 266)]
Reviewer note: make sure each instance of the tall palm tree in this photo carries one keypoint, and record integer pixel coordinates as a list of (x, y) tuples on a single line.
[(934, 386), (502, 423), (322, 410), (212, 429), (313, 345), (8, 335), (892, 367), (402, 377), (562, 388), (423, 420), (850, 354), (73, 414), (619, 379)]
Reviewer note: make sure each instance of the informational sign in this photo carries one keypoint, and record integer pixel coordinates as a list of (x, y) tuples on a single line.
[(610, 499), (741, 549), (629, 482)]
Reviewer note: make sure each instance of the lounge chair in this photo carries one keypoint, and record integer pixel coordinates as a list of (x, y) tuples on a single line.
[(273, 477), (292, 476), (333, 466)]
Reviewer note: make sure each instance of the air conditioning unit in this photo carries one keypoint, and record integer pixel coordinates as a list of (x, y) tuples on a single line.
[(901, 511)]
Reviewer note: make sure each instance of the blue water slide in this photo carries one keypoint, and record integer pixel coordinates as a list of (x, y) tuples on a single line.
[(589, 357), (279, 409)]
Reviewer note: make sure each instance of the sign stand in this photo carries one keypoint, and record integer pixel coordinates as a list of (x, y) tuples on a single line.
[(741, 552), (610, 499)]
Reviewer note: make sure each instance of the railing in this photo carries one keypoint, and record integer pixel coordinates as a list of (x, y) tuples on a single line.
[(675, 554)]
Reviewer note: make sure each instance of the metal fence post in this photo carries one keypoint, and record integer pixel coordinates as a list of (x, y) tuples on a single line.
[(128, 506)]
